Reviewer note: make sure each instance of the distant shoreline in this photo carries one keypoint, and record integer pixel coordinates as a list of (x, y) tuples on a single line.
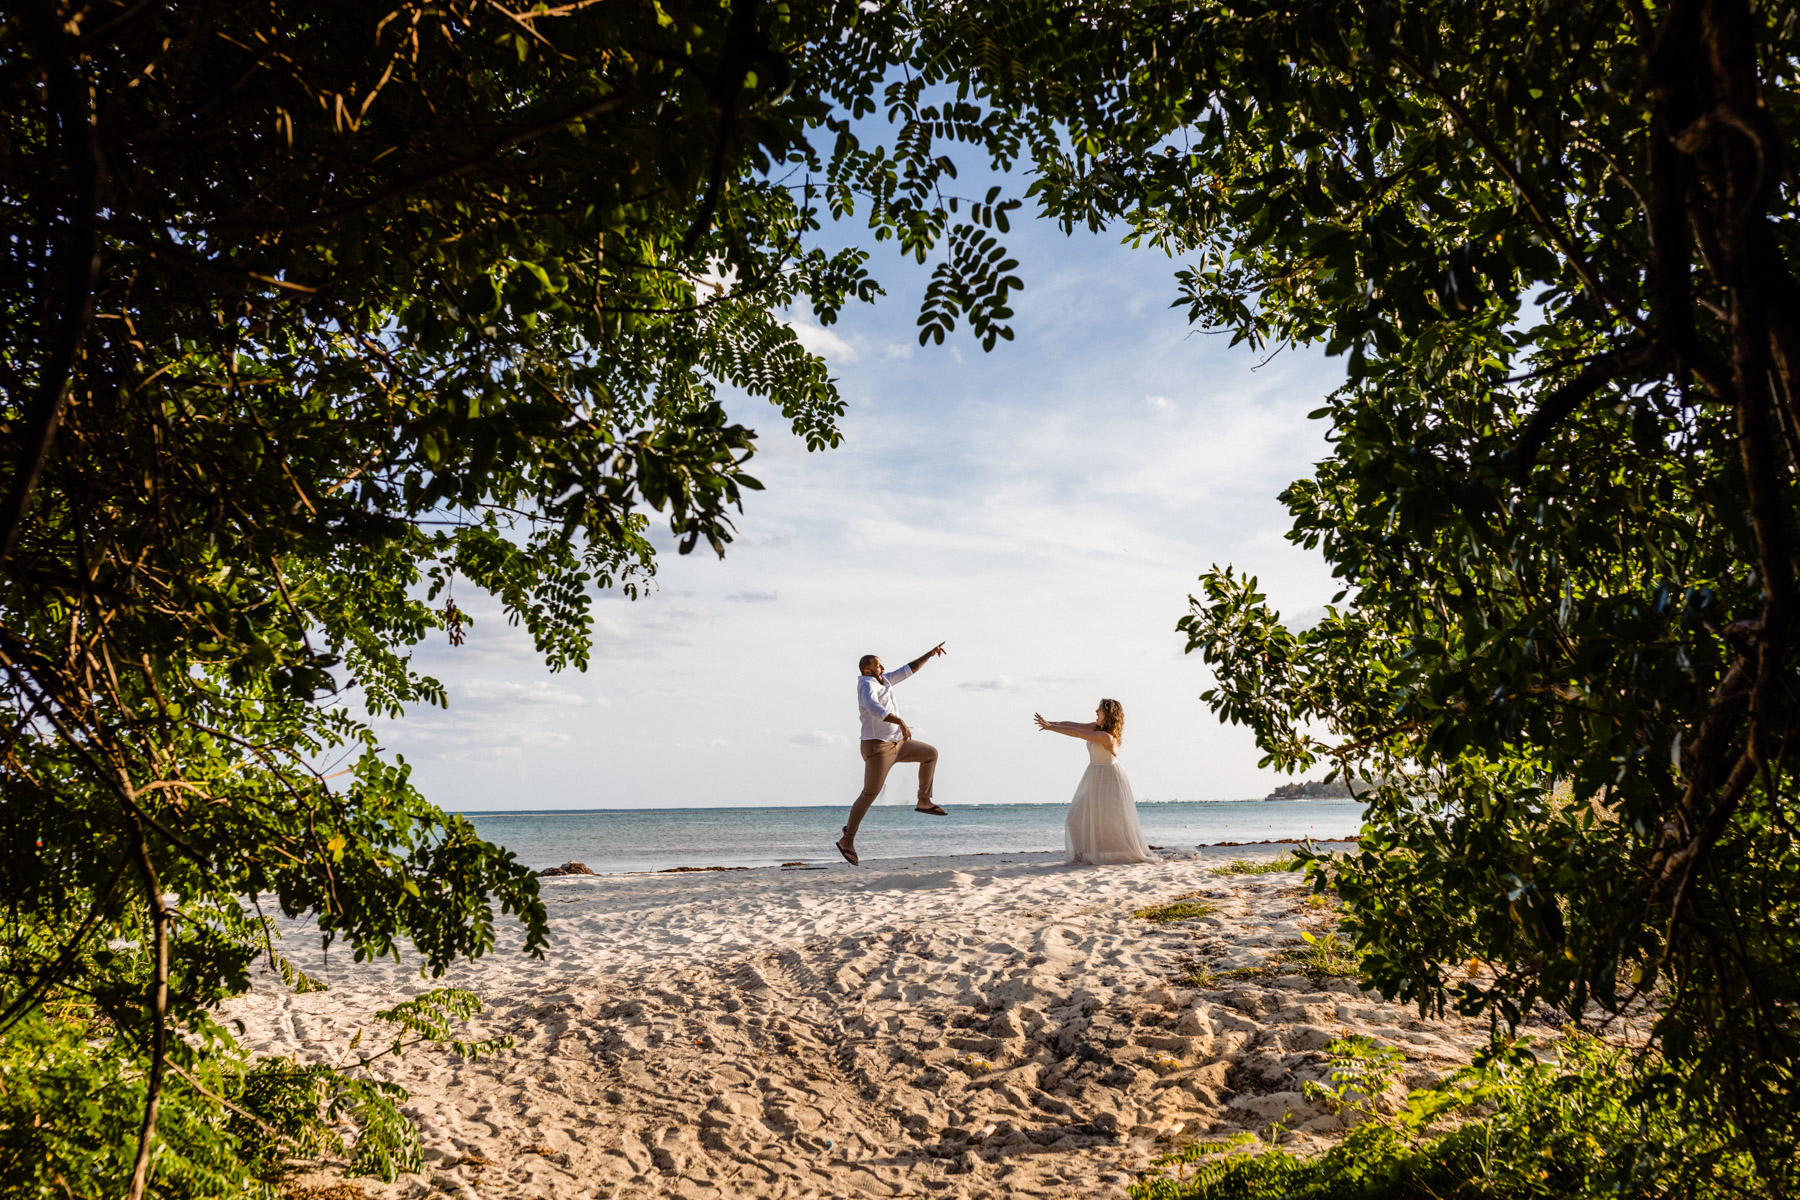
[(611, 840), (565, 812)]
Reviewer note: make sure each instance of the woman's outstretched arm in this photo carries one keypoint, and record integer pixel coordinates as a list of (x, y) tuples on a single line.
[(1087, 731)]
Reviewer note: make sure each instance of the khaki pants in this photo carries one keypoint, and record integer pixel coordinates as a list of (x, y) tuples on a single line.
[(878, 759)]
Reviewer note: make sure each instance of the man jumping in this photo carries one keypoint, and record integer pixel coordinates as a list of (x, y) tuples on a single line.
[(886, 740)]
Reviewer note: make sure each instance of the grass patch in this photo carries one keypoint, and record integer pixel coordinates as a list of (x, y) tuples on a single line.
[(1182, 908), (1206, 978), (1323, 957), (1244, 866), (1327, 957)]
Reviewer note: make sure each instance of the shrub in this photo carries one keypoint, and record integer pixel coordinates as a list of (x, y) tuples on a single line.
[(1579, 1125), (71, 1101)]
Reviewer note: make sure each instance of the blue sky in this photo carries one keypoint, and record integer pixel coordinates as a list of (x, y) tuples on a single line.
[(1043, 508)]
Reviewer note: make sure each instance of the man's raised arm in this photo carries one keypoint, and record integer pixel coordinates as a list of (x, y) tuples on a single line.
[(920, 661)]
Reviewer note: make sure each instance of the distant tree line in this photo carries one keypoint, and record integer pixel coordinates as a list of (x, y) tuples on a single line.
[(1316, 789)]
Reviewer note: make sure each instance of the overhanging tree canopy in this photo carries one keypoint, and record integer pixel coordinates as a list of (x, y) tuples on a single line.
[(289, 285)]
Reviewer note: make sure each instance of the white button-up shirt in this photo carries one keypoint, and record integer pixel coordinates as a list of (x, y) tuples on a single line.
[(875, 700)]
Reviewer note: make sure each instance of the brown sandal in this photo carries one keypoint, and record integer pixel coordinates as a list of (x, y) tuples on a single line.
[(848, 853), (931, 810)]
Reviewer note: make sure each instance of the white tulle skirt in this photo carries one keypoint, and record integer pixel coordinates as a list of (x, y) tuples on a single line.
[(1103, 821)]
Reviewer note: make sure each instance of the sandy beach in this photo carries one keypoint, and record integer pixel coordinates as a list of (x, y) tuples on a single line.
[(989, 1025)]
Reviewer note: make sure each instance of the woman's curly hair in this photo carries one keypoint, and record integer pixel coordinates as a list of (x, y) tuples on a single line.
[(1112, 718)]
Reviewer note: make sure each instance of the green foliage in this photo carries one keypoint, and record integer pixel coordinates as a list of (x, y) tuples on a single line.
[(432, 1017), (1326, 956), (1182, 908), (1362, 1069), (63, 1127), (1519, 1129), (287, 1107), (227, 1120)]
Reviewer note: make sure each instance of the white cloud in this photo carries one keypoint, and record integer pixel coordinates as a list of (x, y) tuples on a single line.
[(474, 754), (499, 692), (819, 737), (647, 627), (1305, 619), (767, 533), (822, 341), (1162, 402), (493, 721), (999, 683), (753, 597)]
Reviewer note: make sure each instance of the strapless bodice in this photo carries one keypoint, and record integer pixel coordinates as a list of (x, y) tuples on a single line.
[(1099, 753)]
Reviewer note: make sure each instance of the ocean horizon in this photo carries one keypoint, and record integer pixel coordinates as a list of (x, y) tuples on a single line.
[(617, 840)]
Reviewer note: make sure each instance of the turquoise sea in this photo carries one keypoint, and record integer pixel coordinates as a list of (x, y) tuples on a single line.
[(610, 840)]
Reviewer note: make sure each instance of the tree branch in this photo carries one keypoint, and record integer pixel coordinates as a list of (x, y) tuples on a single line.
[(518, 137), (73, 272), (1538, 208), (1559, 404), (159, 1013), (728, 90)]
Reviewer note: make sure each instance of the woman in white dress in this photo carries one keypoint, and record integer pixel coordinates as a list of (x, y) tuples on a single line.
[(1103, 823)]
